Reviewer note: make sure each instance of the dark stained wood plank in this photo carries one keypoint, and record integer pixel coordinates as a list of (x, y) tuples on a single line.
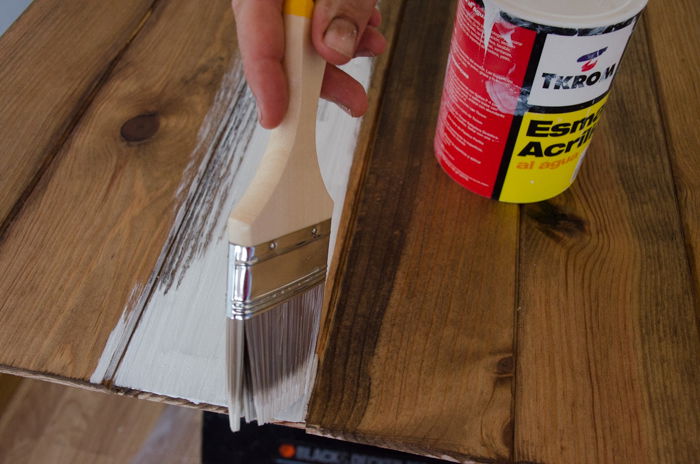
[(80, 256), (391, 15), (52, 60), (607, 340), (673, 36), (418, 352), (49, 423)]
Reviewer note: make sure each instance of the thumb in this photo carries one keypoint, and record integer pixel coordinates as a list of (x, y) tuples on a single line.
[(337, 27)]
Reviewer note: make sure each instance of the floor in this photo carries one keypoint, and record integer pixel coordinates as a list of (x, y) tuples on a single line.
[(42, 422)]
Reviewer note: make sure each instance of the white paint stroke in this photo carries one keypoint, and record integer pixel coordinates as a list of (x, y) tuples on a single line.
[(117, 336), (213, 129), (178, 347)]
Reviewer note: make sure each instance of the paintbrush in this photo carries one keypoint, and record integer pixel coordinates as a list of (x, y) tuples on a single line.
[(278, 249)]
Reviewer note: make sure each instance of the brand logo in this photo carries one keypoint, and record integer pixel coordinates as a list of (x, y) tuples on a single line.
[(589, 61)]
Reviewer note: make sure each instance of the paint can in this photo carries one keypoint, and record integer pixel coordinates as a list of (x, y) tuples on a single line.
[(525, 84)]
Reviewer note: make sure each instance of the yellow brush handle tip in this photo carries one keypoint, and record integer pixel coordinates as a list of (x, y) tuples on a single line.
[(299, 7)]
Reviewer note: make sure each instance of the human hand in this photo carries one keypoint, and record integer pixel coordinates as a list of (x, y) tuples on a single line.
[(340, 31)]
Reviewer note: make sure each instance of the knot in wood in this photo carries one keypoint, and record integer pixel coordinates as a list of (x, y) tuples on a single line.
[(554, 222), (505, 366), (141, 127)]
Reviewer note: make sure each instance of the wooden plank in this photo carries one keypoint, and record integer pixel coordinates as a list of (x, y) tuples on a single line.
[(52, 61), (418, 352), (52, 423), (178, 348), (607, 336), (344, 205), (673, 35), (106, 207)]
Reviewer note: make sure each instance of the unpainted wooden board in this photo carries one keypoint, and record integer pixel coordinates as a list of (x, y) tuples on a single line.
[(49, 423), (674, 37), (52, 60), (607, 338), (418, 354), (88, 242)]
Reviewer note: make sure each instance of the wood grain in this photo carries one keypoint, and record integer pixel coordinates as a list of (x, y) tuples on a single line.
[(52, 61), (88, 241), (419, 350), (607, 337), (52, 423), (673, 38), (345, 206)]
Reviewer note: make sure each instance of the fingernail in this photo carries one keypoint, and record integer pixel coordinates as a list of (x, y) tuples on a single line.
[(259, 115), (341, 36)]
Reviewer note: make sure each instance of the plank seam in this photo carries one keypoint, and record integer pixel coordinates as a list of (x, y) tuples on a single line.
[(180, 223), (670, 155), (351, 204), (516, 328), (73, 120)]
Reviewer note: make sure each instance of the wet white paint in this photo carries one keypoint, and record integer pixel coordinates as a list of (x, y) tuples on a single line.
[(491, 14), (118, 336)]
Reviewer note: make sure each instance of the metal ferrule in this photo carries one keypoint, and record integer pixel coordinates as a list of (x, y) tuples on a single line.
[(261, 277)]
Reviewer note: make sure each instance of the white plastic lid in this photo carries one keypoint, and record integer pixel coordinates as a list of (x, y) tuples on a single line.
[(576, 14)]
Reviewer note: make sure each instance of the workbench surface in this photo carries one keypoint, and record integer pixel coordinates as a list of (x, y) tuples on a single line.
[(564, 331)]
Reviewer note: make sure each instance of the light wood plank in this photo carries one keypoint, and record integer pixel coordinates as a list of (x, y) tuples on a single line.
[(52, 423), (52, 61), (418, 354), (88, 243), (607, 337), (673, 36)]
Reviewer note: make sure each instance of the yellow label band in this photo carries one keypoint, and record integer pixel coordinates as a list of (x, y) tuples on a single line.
[(299, 7), (548, 152)]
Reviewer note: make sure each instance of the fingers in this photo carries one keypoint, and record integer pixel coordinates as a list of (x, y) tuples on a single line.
[(372, 43), (341, 89), (260, 31), (341, 30), (340, 26)]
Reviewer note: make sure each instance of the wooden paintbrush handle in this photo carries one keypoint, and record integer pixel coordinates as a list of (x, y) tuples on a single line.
[(287, 192)]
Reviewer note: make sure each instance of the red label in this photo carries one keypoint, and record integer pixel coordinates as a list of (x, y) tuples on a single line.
[(481, 92)]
